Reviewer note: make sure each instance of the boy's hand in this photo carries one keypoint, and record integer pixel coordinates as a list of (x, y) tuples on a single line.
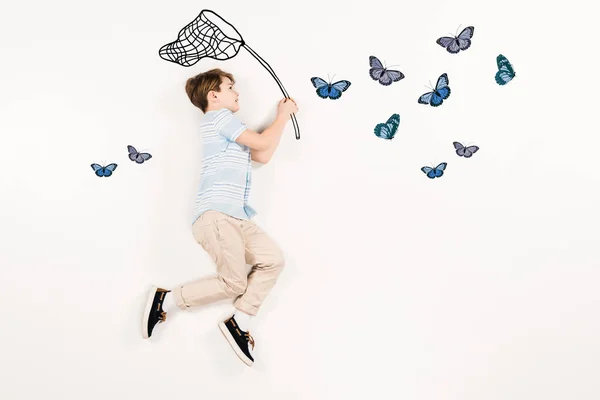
[(286, 107)]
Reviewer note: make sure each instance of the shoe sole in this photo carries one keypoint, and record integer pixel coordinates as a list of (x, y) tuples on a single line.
[(149, 302), (234, 345)]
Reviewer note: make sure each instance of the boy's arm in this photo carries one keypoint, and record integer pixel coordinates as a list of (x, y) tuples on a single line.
[(263, 145), (264, 156)]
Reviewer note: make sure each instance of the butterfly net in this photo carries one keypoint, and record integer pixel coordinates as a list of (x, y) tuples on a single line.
[(204, 37), (201, 38)]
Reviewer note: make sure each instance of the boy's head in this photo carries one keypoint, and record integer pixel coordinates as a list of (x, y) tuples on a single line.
[(213, 90)]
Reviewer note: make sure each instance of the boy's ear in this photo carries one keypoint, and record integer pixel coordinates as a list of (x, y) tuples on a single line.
[(211, 95)]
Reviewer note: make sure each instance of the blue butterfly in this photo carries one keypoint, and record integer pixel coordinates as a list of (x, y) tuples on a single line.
[(457, 43), (331, 90), (505, 72), (136, 156), (383, 75), (104, 171), (388, 130), (439, 94), (435, 172)]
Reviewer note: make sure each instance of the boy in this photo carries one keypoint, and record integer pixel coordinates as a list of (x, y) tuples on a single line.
[(222, 215)]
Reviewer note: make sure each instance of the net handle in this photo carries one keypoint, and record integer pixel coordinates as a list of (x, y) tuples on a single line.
[(281, 87), (264, 64)]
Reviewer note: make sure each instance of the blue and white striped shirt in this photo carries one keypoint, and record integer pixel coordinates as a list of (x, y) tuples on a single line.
[(226, 175)]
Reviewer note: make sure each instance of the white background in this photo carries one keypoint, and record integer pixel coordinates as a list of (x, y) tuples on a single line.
[(482, 284)]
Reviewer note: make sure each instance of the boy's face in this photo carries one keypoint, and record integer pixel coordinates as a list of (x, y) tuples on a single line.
[(228, 97)]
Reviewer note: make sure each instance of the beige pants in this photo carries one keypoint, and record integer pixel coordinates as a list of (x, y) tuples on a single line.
[(232, 243)]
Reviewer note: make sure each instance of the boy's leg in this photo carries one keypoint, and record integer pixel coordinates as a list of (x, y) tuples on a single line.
[(267, 263), (222, 237)]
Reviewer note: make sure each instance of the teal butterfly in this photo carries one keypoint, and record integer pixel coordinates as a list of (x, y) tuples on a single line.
[(505, 72), (388, 130)]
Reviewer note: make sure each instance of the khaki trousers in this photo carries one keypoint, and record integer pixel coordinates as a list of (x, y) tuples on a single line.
[(232, 243)]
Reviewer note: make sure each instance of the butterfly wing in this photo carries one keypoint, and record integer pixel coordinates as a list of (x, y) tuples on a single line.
[(454, 47), (389, 129), (469, 151), (376, 68), (393, 122), (445, 41), (438, 97), (439, 170), (502, 61), (389, 76), (463, 40), (428, 171), (442, 82), (460, 149), (503, 77), (322, 87), (441, 92), (336, 89), (376, 73), (426, 98), (108, 170), (98, 169), (395, 75), (466, 33), (133, 153), (318, 82), (382, 131), (341, 85), (323, 92), (143, 157), (375, 63), (505, 70)]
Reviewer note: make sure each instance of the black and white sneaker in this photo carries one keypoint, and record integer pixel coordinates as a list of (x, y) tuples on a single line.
[(238, 339), (154, 313)]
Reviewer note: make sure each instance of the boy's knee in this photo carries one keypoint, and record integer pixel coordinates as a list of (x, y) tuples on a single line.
[(278, 261), (234, 288)]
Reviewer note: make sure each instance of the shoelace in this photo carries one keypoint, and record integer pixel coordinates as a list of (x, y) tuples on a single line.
[(250, 339), (162, 317)]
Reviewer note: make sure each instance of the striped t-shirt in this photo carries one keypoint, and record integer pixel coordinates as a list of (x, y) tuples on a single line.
[(226, 175)]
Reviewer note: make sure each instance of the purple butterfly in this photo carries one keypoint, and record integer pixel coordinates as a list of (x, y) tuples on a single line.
[(465, 151), (382, 74), (457, 43), (136, 156)]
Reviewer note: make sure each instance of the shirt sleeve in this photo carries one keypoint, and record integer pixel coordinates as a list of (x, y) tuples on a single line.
[(228, 125)]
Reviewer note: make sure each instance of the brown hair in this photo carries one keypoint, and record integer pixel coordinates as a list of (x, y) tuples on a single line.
[(197, 87)]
